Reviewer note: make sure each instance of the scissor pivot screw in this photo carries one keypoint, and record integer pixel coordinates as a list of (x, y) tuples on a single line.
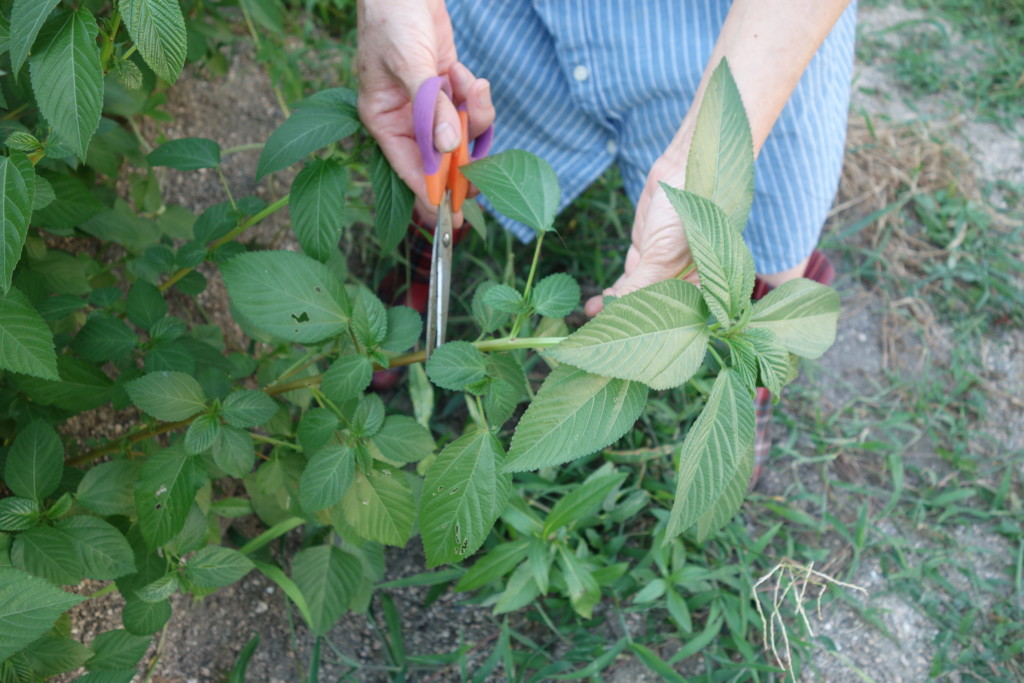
[(446, 239)]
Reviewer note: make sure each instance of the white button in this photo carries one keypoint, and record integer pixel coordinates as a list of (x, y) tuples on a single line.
[(581, 73), (611, 147)]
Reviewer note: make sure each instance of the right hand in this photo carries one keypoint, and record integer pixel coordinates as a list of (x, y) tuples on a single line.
[(402, 43)]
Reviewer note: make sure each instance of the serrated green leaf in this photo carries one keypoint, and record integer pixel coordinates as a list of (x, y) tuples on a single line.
[(116, 650), (288, 295), (486, 317), (73, 203), (328, 578), (404, 328), (456, 365), (393, 202), (159, 590), (46, 552), (143, 618), (462, 497), (27, 17), (186, 154), (802, 314), (28, 608), (327, 477), (26, 343), (772, 359), (503, 298), (402, 440), (556, 296), (573, 414), (18, 514), (720, 165), (712, 451), (304, 132), (507, 388), (52, 655), (43, 196), (145, 304), (520, 185), (216, 566), (315, 428), (656, 335), (201, 434), (729, 503), (168, 396), (248, 408), (108, 676), (103, 550), (233, 451), (369, 317), (347, 378), (368, 417), (104, 338), (17, 191), (109, 488), (723, 260), (584, 591), (35, 462), (163, 495), (380, 506), (67, 77), (582, 501), (157, 28), (317, 207)]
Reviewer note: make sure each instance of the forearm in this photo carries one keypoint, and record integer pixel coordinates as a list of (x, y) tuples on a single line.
[(768, 45)]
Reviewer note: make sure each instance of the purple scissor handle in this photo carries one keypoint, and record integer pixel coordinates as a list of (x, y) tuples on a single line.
[(423, 108)]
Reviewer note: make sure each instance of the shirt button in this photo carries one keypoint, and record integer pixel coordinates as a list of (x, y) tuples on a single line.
[(581, 73), (611, 147)]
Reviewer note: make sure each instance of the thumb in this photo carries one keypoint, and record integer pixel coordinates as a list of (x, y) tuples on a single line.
[(643, 274), (447, 130)]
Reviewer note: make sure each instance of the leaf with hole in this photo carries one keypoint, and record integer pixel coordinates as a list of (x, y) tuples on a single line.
[(163, 495), (656, 335)]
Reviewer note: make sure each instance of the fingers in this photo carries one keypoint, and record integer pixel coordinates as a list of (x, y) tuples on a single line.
[(476, 93)]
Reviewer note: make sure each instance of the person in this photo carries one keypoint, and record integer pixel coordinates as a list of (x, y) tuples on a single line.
[(587, 83)]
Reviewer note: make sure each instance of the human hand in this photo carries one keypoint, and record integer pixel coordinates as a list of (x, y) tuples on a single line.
[(402, 43), (659, 250)]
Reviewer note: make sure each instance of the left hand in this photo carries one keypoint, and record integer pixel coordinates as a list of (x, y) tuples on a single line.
[(659, 248)]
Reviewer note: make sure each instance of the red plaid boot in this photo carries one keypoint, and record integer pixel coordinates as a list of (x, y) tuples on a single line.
[(819, 269)]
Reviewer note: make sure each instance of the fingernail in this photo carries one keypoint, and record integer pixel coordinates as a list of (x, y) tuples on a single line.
[(445, 137)]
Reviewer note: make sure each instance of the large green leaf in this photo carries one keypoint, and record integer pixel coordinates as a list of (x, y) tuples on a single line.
[(157, 28), (304, 132), (327, 477), (456, 365), (556, 296), (53, 654), (103, 550), (584, 500), (73, 203), (35, 462), (83, 386), (463, 494), (317, 207), (401, 440), (18, 514), (248, 408), (288, 295), (574, 413), (168, 396), (656, 335), (17, 188), (720, 165), (215, 566), (142, 618), (347, 378), (67, 77), (28, 608), (108, 488), (27, 17), (328, 578), (802, 314), (723, 260), (233, 451), (47, 553), (712, 451), (26, 343), (393, 201), (728, 504), (186, 154), (116, 650), (164, 493), (104, 337), (380, 506), (520, 185)]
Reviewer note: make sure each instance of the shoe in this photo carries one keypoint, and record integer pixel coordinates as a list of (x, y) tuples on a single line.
[(819, 269)]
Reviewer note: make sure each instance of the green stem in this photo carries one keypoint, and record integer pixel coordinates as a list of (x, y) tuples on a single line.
[(253, 220), (248, 147), (687, 270), (276, 531), (275, 442), (109, 588), (108, 44), (227, 189), (521, 318), (130, 52)]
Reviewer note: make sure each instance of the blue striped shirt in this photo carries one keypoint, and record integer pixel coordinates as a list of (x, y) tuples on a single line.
[(587, 83)]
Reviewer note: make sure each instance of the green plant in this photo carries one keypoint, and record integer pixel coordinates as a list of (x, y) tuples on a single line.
[(281, 425)]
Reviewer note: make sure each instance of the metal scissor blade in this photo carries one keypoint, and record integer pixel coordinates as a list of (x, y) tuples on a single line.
[(440, 276)]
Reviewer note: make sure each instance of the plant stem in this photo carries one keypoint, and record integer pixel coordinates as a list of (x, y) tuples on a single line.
[(275, 442), (108, 44), (529, 285), (276, 531), (253, 220), (227, 189), (248, 147)]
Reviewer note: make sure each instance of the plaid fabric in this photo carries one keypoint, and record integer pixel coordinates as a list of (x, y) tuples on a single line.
[(819, 269), (418, 247)]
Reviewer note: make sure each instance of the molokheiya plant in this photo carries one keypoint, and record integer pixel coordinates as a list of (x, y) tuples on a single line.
[(284, 428)]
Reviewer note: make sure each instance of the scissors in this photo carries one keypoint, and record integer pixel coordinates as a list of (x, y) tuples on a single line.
[(446, 190)]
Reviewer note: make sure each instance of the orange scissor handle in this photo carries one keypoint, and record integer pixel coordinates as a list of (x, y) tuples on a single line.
[(457, 182), (437, 182)]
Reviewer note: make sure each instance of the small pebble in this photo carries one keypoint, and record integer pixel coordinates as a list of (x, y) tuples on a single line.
[(261, 607)]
